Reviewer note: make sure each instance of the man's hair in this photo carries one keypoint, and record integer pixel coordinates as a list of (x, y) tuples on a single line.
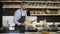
[(23, 2)]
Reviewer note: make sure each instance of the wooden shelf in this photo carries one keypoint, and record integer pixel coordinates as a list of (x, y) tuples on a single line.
[(35, 1), (46, 7), (11, 1), (53, 7), (18, 6), (45, 1), (11, 6), (45, 14), (31, 7)]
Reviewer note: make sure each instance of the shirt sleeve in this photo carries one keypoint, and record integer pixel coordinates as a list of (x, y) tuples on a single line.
[(26, 16), (17, 16)]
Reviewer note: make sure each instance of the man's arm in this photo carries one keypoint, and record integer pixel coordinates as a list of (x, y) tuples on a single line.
[(17, 16)]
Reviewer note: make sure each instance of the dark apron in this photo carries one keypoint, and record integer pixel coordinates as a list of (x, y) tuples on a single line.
[(20, 27)]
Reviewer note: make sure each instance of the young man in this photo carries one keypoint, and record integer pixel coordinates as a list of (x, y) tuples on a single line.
[(19, 18)]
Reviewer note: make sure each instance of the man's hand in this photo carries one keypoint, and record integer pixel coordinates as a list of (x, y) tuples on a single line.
[(23, 24)]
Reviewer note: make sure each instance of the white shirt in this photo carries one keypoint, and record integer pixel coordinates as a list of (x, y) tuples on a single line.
[(18, 14)]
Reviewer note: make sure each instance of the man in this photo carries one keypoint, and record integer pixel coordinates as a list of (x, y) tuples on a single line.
[(19, 18)]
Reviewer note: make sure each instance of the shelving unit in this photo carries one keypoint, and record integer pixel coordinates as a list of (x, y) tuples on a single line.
[(35, 5)]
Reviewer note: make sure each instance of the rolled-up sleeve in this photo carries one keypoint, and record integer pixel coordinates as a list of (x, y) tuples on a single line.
[(17, 16)]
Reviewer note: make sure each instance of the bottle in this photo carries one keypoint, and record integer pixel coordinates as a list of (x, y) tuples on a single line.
[(44, 23), (8, 25)]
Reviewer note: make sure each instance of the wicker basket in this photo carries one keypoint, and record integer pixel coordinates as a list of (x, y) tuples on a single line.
[(45, 32)]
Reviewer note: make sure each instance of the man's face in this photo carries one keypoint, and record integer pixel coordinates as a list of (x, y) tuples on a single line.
[(23, 6)]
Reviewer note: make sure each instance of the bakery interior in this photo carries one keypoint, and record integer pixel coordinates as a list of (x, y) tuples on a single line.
[(45, 15)]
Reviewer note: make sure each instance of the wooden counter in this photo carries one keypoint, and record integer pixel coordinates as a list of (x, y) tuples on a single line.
[(32, 33), (40, 33)]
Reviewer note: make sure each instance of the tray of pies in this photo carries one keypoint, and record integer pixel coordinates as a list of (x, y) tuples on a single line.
[(38, 26), (30, 27), (28, 22), (51, 12)]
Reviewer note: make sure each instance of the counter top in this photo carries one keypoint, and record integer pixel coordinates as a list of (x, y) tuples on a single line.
[(33, 33)]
